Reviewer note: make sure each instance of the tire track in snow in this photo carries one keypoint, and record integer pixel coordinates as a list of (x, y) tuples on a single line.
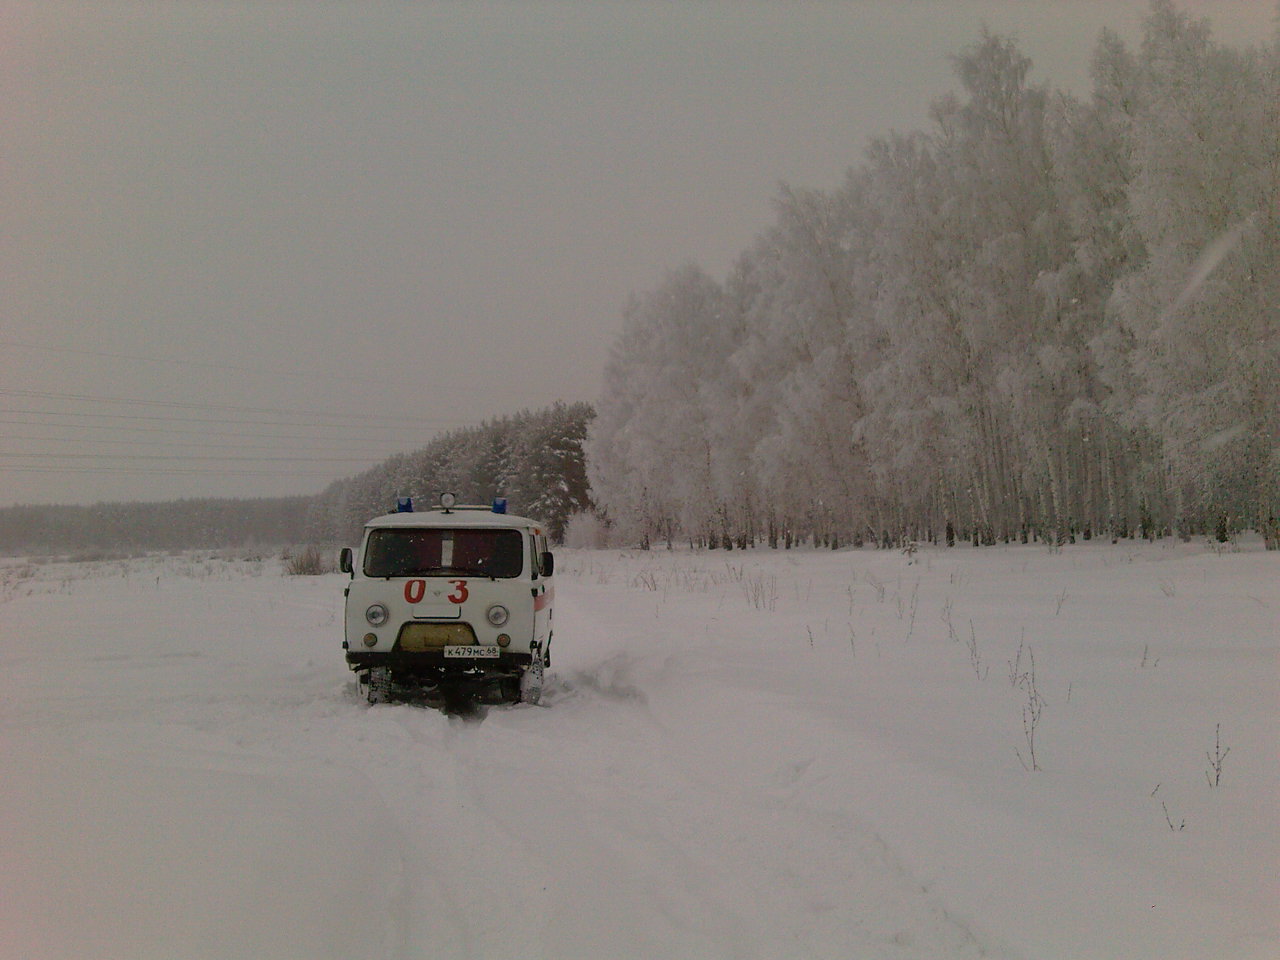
[(799, 875), (855, 855), (597, 801), (410, 772)]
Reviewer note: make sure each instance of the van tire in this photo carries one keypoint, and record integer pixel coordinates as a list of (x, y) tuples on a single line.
[(376, 683), (531, 682)]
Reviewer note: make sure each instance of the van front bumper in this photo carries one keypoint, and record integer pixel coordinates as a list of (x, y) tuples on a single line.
[(429, 664)]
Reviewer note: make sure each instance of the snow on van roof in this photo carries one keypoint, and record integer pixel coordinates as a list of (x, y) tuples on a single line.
[(457, 517)]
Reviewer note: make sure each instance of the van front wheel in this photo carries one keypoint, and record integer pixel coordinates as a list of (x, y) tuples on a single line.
[(531, 682), (375, 684)]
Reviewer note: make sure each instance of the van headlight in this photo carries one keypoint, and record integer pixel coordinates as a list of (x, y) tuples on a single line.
[(497, 615), (376, 615)]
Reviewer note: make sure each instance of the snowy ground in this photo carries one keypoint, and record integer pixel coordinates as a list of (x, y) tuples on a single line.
[(757, 755)]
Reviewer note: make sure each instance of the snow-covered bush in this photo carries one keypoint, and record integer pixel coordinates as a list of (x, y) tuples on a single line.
[(585, 530), (308, 563)]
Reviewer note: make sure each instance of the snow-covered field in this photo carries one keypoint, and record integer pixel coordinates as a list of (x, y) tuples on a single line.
[(758, 755)]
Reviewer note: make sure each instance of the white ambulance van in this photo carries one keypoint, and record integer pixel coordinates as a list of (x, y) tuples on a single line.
[(453, 602)]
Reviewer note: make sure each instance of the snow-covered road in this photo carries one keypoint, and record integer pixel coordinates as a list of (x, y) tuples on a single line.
[(757, 756)]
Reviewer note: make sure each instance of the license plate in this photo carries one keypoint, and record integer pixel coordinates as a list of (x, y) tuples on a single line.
[(471, 651)]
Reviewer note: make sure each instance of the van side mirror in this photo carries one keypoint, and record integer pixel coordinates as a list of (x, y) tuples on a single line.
[(344, 560), (548, 563)]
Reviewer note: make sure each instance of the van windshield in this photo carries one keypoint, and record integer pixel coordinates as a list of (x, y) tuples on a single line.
[(444, 553)]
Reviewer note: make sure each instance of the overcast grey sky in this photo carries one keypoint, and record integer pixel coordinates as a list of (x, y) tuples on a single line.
[(249, 248)]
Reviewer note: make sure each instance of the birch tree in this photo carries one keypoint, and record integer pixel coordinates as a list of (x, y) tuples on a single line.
[(1202, 311), (802, 325), (650, 448)]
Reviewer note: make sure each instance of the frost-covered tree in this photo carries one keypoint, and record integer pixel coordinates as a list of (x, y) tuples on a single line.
[(805, 343), (651, 447), (1201, 315), (534, 459), (1093, 171), (971, 230), (1044, 316)]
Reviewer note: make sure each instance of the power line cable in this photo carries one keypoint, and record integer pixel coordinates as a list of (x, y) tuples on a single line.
[(202, 443), (184, 459), (207, 364), (364, 425), (190, 432), (173, 472), (192, 405)]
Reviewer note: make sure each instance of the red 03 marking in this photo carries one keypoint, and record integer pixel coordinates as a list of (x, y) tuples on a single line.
[(460, 592)]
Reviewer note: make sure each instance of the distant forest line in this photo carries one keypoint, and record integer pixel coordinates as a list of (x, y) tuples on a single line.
[(1044, 318), (534, 459), (109, 529)]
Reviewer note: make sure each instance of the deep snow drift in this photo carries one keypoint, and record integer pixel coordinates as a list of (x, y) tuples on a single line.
[(759, 755)]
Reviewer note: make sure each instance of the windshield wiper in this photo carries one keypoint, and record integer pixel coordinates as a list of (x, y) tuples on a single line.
[(442, 571), (475, 572)]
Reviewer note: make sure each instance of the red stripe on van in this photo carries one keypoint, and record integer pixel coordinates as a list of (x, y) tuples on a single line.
[(543, 600)]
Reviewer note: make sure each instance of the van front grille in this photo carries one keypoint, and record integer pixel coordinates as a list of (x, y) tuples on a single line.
[(421, 637)]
